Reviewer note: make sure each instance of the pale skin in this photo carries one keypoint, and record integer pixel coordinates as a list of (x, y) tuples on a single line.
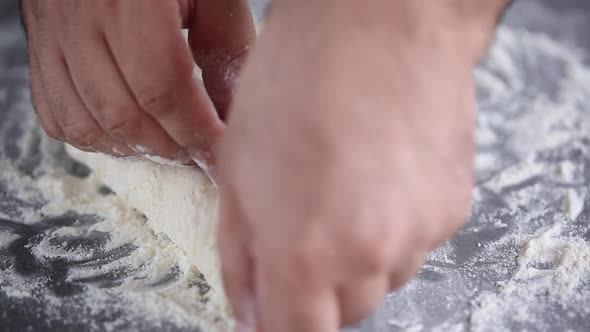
[(348, 149)]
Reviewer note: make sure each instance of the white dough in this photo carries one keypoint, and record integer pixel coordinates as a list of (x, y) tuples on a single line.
[(180, 202)]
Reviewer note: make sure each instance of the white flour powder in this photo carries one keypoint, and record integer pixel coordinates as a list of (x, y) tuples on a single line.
[(546, 191)]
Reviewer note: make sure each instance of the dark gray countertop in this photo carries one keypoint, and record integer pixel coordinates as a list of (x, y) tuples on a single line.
[(447, 292)]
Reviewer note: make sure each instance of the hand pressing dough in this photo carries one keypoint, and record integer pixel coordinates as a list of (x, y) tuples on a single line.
[(180, 202)]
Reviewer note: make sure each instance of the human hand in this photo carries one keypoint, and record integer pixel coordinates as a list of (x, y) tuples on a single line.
[(117, 76), (348, 157)]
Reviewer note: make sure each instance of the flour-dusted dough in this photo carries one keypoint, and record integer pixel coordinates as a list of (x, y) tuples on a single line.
[(180, 202)]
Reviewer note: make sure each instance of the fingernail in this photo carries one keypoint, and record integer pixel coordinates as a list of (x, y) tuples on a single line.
[(201, 158), (122, 150), (183, 157), (140, 149)]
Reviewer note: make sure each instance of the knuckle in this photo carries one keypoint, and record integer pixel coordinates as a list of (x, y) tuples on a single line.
[(81, 134), (303, 259), (156, 100), (176, 82), (123, 122), (374, 250)]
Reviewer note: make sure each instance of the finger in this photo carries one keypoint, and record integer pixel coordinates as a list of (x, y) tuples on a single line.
[(291, 305), (236, 262), (220, 33), (50, 126), (38, 95), (359, 298), (48, 76), (158, 68), (105, 94), (76, 123)]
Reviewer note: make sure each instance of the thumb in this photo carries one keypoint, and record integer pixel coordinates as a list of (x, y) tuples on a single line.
[(220, 33)]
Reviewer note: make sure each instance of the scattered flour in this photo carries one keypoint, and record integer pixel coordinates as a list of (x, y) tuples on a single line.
[(552, 268), (542, 181)]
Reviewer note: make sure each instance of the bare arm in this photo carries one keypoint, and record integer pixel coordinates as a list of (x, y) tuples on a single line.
[(348, 115)]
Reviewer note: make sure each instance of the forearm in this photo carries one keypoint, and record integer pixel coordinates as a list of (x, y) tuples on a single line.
[(463, 24)]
